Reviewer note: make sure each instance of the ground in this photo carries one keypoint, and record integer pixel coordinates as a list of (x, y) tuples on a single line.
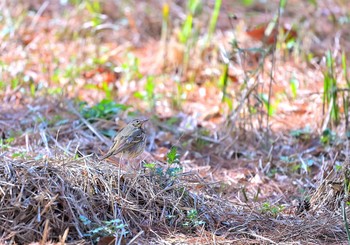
[(247, 140)]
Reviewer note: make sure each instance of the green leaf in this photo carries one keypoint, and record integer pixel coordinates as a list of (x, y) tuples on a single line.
[(195, 6), (172, 155), (104, 109), (186, 30), (173, 172), (313, 2), (85, 220), (269, 107), (171, 121), (139, 95), (294, 84), (150, 86), (214, 17), (150, 165), (247, 2)]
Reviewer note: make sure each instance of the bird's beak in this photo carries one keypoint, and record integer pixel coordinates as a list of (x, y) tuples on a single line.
[(143, 121)]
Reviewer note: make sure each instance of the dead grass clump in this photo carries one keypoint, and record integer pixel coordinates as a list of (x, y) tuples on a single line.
[(64, 193), (66, 199)]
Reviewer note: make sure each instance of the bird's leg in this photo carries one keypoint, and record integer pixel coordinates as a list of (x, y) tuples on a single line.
[(131, 165), (119, 173), (142, 161)]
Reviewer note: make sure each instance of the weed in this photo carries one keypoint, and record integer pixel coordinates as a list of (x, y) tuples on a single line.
[(346, 96), (172, 121), (270, 107), (247, 2), (114, 227), (172, 156), (223, 85), (167, 175), (272, 172), (188, 34), (105, 109), (151, 166), (148, 94), (327, 137), (165, 20), (131, 68), (21, 154), (294, 85), (270, 209), (173, 163), (200, 143), (5, 144), (214, 19), (193, 219), (330, 91), (302, 134)]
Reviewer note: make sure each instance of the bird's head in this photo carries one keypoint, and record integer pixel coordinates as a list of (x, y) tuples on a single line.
[(137, 123)]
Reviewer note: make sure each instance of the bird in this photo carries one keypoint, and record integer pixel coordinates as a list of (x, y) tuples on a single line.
[(130, 141)]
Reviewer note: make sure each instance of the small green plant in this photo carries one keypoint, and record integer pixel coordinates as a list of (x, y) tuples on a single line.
[(247, 2), (148, 94), (188, 34), (5, 144), (272, 172), (172, 156), (104, 109), (21, 154), (95, 8), (223, 85), (200, 142), (330, 90), (186, 30), (131, 68), (114, 227), (327, 137), (270, 107), (151, 166), (302, 134), (214, 19), (171, 172), (179, 94), (346, 96), (173, 159), (172, 121), (193, 219), (294, 85), (165, 21), (269, 209)]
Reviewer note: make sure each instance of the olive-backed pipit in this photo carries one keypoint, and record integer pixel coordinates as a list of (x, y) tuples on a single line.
[(130, 141)]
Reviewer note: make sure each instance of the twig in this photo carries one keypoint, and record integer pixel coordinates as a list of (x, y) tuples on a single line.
[(101, 137), (135, 237), (343, 209), (64, 237), (260, 237), (62, 148), (38, 14), (206, 138), (45, 232)]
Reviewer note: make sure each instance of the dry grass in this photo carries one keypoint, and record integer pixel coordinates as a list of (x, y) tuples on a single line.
[(60, 191), (239, 180), (54, 193)]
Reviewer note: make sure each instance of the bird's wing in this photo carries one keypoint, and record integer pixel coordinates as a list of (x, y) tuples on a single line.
[(124, 142), (114, 148), (135, 137)]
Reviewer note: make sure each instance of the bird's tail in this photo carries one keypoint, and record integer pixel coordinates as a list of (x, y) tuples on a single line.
[(106, 156)]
